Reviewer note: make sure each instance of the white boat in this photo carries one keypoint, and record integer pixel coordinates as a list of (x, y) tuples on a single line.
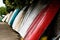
[(22, 31)]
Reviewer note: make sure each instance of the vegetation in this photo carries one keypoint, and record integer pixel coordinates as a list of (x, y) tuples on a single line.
[(12, 4), (9, 6), (3, 11)]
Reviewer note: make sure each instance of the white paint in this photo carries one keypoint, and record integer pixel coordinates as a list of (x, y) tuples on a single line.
[(30, 19), (25, 18), (10, 14), (18, 19), (4, 19)]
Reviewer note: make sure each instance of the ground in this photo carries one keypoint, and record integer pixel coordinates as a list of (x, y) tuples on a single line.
[(6, 32)]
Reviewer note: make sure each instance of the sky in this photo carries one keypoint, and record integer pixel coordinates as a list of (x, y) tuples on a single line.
[(1, 3)]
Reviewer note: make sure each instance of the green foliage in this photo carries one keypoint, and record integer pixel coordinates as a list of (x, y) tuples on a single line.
[(9, 6), (12, 4), (3, 11)]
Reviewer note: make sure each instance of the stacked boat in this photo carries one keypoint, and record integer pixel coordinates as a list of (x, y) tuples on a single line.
[(31, 21)]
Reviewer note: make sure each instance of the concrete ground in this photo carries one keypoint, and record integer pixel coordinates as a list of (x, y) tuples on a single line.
[(6, 33)]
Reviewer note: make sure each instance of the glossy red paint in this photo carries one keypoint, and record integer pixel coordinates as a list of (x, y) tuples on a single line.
[(42, 21)]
